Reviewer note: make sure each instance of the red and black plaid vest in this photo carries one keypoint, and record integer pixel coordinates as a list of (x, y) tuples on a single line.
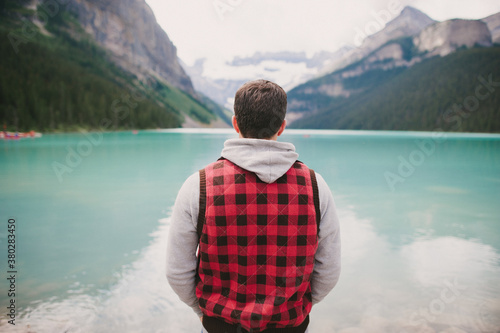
[(256, 249)]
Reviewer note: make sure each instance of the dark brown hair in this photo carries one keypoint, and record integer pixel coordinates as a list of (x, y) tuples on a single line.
[(260, 108)]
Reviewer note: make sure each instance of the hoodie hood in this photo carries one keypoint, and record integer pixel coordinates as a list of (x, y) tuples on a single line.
[(268, 159)]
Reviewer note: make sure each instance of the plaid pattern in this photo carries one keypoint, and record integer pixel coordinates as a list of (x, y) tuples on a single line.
[(257, 246)]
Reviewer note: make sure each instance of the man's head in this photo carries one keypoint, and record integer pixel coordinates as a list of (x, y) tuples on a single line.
[(259, 109)]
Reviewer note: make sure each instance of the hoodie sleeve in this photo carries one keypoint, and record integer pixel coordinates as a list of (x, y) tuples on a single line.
[(327, 259), (183, 242)]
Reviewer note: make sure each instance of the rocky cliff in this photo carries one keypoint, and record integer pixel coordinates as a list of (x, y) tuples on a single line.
[(410, 22), (446, 37), (129, 31), (493, 23)]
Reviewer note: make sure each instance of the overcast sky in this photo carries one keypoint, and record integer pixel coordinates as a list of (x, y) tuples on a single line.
[(225, 28)]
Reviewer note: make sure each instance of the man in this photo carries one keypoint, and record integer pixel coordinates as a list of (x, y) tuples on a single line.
[(266, 227)]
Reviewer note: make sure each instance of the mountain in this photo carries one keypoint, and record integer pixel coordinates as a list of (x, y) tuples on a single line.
[(220, 90), (290, 69), (410, 22), (446, 37), (458, 93), (78, 67), (493, 23), (383, 59), (128, 29), (221, 80)]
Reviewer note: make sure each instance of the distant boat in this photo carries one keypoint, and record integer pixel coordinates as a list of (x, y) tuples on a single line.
[(19, 135)]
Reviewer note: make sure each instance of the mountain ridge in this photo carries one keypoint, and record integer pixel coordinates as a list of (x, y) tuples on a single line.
[(325, 101), (411, 21), (457, 92), (438, 39), (134, 38), (82, 86)]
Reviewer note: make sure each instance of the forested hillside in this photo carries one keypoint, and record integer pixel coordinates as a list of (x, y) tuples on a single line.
[(459, 92), (61, 80)]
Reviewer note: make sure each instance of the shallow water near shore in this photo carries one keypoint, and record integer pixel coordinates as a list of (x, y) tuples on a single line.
[(419, 213)]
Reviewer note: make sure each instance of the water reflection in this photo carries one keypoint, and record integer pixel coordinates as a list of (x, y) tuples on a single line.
[(432, 261), (427, 285), (141, 301), (430, 284)]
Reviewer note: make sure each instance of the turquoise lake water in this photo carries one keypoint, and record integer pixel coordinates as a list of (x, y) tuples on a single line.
[(419, 214)]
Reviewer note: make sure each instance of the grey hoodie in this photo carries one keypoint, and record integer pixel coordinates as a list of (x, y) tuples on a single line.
[(269, 160)]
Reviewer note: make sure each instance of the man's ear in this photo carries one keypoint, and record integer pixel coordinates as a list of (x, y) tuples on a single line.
[(282, 127), (235, 125)]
